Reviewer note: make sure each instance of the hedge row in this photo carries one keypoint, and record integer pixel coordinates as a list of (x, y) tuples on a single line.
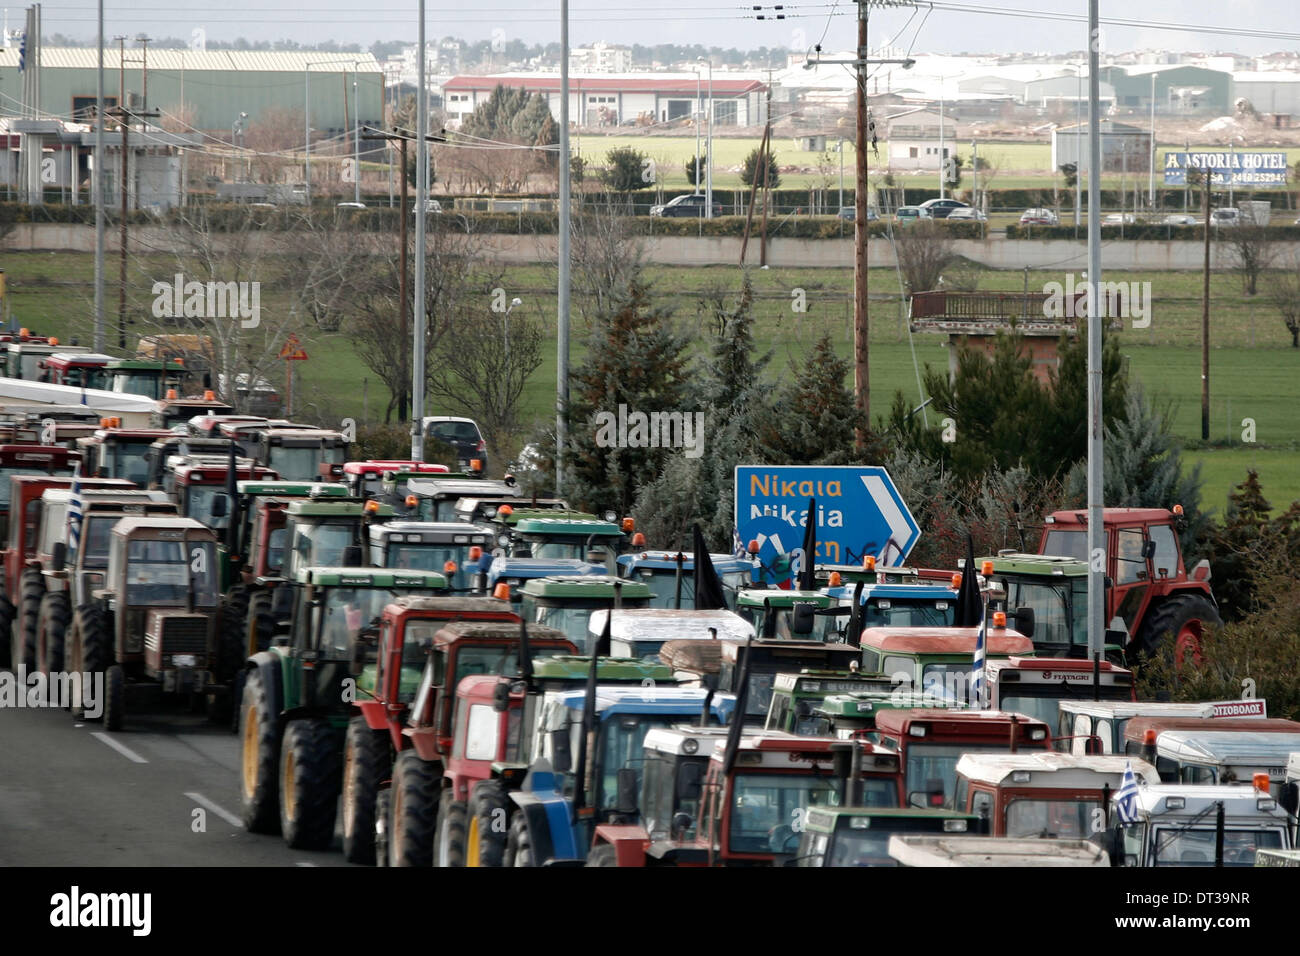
[(1144, 231)]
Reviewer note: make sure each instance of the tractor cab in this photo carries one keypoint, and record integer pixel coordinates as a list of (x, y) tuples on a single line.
[(460, 551), (1037, 686), (365, 479), (930, 741), (1106, 720), (320, 531), (149, 378), (859, 836), (116, 452), (789, 615), (703, 661), (297, 453), (163, 450), (1047, 596), (1215, 750), (26, 360), (566, 536), (573, 605), (154, 621), (1197, 825), (936, 661), (671, 576), (75, 369), (201, 487), (900, 605), (643, 631), (436, 496), (497, 511), (797, 696), (21, 460), (1044, 795)]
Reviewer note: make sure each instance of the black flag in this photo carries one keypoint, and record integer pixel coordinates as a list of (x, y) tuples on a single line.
[(738, 715), (854, 633), (602, 643), (588, 722), (807, 574), (970, 606), (708, 587), (525, 652), (232, 512)]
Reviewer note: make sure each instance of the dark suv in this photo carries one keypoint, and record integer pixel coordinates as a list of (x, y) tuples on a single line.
[(688, 205), (462, 434)]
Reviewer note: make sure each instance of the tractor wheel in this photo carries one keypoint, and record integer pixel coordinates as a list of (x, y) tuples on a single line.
[(259, 726), (449, 850), (489, 815), (237, 698), (413, 813), (29, 609), (51, 630), (519, 848), (1184, 617), (366, 764), (96, 644), (383, 825), (309, 784), (232, 640), (114, 698), (7, 612), (603, 854)]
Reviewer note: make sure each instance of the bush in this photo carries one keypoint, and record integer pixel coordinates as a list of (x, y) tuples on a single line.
[(1142, 231)]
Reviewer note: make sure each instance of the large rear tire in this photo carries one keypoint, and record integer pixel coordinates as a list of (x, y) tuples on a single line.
[(366, 764), (259, 727), (96, 643), (32, 589), (232, 643), (115, 698), (489, 823), (383, 825), (519, 846), (413, 812), (7, 612), (51, 630), (309, 784), (449, 850), (1184, 618)]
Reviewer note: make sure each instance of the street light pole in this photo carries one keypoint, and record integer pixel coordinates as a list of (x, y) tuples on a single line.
[(841, 150), (699, 115), (356, 137), (943, 172), (1151, 188), (708, 153), (1078, 147)]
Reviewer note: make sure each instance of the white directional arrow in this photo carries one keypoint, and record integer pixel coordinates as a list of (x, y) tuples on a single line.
[(899, 527)]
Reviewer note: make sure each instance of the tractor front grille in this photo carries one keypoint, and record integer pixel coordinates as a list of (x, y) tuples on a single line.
[(185, 635)]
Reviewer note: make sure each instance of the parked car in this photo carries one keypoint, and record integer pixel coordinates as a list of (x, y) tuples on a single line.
[(850, 214), (462, 434), (906, 214), (430, 206), (1225, 217), (1119, 219), (688, 205), (1180, 219), (943, 208), (968, 214), (1038, 217), (350, 205)]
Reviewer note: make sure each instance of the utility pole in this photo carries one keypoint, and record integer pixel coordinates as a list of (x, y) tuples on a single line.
[(1096, 527), (421, 194), (124, 118), (1151, 173), (943, 160), (763, 163), (97, 184), (1205, 318), (562, 291)]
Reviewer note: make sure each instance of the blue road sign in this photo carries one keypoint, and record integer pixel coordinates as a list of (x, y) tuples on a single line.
[(859, 512)]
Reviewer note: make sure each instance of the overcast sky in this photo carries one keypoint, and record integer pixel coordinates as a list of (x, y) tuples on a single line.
[(711, 22)]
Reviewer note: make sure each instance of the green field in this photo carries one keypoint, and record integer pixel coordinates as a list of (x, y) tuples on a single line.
[(1254, 373)]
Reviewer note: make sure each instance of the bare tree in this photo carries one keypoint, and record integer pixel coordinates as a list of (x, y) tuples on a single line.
[(481, 367), (276, 130), (1250, 251), (606, 255), (924, 250), (1284, 290)]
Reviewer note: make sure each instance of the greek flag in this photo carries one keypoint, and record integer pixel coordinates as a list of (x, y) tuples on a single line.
[(738, 548), (22, 54), (1126, 799), (74, 510), (977, 691)]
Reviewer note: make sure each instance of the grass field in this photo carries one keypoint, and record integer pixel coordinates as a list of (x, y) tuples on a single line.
[(1254, 373)]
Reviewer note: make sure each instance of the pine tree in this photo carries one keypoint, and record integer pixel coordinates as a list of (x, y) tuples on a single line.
[(636, 357), (1236, 548)]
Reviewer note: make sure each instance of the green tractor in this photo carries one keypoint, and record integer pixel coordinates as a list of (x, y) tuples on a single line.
[(298, 694)]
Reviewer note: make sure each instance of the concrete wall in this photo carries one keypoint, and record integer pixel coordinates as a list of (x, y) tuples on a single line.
[(1055, 254)]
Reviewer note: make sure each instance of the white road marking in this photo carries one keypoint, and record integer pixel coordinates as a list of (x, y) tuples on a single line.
[(124, 750), (303, 863), (220, 811)]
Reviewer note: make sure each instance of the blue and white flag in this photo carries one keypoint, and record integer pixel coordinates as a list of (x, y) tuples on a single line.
[(75, 508), (978, 696), (22, 53), (738, 548), (1127, 798)]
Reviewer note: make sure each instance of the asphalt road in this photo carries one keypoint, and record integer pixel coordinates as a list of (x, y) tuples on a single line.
[(74, 795)]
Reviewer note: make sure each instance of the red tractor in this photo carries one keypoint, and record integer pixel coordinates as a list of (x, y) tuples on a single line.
[(1151, 591), (461, 637)]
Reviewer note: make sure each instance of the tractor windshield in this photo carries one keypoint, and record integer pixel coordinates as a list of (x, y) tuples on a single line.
[(1043, 701), (568, 548), (1195, 847), (569, 618), (95, 538), (26, 469), (930, 770), (323, 544), (768, 808), (621, 737), (433, 557), (1066, 544), (896, 613), (867, 846), (200, 501), (1058, 606), (1063, 819), (146, 383), (129, 460), (345, 612), (297, 464), (167, 573)]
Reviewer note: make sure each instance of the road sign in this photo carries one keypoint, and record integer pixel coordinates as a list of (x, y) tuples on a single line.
[(859, 512), (297, 355)]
